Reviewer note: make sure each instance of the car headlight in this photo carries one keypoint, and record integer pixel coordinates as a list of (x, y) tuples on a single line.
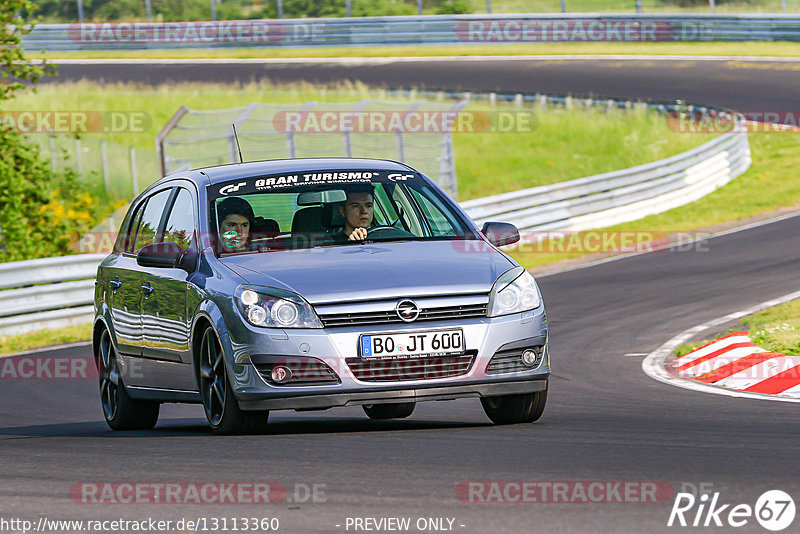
[(514, 292), (275, 308)]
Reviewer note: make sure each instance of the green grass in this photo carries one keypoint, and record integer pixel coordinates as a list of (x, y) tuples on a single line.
[(43, 338), (562, 144), (775, 329), (756, 48), (768, 185)]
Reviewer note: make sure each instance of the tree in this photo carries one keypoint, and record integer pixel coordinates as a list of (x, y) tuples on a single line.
[(14, 70)]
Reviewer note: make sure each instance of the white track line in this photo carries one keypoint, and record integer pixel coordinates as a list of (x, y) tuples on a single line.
[(411, 59), (654, 365), (48, 348)]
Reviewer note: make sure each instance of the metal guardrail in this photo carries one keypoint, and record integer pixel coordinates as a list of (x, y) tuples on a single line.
[(430, 29), (620, 196), (61, 297)]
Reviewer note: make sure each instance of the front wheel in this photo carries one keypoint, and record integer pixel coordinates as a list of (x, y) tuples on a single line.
[(513, 409), (222, 410), (119, 409), (392, 410)]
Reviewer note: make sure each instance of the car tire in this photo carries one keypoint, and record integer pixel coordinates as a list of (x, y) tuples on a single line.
[(121, 412), (392, 410), (221, 408), (513, 409)]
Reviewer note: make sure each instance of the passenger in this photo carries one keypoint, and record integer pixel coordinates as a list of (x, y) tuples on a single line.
[(236, 218), (357, 212)]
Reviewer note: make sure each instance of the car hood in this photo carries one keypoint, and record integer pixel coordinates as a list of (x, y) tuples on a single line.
[(375, 271)]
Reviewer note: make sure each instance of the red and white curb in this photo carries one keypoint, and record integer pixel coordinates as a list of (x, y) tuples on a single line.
[(735, 362), (731, 366)]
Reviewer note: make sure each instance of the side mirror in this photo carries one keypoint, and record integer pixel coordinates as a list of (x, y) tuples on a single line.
[(163, 255), (499, 233)]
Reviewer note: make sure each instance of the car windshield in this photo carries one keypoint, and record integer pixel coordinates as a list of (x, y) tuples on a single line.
[(322, 209)]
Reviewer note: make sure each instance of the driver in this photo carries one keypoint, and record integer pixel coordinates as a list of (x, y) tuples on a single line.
[(357, 212), (235, 224)]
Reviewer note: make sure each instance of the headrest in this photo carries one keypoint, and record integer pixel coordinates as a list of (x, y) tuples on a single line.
[(265, 226), (331, 216), (308, 221)]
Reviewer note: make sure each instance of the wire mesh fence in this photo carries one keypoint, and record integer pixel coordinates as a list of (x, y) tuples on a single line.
[(369, 128), (122, 171)]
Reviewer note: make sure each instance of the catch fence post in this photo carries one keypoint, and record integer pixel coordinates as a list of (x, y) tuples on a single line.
[(134, 176), (104, 157), (78, 157), (52, 153)]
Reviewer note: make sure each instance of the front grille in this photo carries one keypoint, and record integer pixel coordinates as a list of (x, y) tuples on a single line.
[(389, 317), (510, 361), (427, 368), (305, 371)]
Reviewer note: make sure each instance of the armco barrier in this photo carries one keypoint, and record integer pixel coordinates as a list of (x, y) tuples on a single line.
[(620, 196), (64, 290), (62, 296), (431, 29)]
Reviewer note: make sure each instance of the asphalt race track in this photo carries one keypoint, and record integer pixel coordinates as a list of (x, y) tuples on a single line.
[(744, 85), (605, 419)]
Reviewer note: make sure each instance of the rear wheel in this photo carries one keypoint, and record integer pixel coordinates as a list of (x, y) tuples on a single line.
[(392, 410), (119, 409), (512, 409), (222, 410)]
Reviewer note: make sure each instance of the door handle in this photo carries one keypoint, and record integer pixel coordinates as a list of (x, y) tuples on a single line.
[(115, 284), (147, 289)]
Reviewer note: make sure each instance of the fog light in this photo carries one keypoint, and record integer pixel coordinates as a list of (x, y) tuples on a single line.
[(529, 357), (281, 374), (256, 314)]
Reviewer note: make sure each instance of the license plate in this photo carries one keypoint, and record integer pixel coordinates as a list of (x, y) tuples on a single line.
[(411, 344)]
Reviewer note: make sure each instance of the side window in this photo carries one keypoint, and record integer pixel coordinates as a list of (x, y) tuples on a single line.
[(440, 226), (137, 219), (123, 236), (180, 227), (151, 218), (383, 205), (407, 212)]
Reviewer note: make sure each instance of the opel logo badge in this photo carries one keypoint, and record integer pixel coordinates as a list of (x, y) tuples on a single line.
[(407, 310)]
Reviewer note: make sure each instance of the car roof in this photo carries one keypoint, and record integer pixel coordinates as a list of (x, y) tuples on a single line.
[(234, 171)]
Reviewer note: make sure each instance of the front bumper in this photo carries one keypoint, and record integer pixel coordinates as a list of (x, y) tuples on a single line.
[(419, 394), (484, 337)]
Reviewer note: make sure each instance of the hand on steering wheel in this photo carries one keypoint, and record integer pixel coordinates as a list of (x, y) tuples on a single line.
[(359, 234)]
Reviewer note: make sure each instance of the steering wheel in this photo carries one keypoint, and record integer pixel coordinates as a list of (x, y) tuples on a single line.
[(386, 231)]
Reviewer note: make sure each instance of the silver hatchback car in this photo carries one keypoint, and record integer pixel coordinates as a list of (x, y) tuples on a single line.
[(308, 284)]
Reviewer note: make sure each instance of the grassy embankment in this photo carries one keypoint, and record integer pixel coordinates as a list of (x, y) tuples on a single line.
[(775, 329), (561, 145)]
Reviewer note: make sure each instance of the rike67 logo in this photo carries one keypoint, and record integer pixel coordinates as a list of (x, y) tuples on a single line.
[(774, 510)]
